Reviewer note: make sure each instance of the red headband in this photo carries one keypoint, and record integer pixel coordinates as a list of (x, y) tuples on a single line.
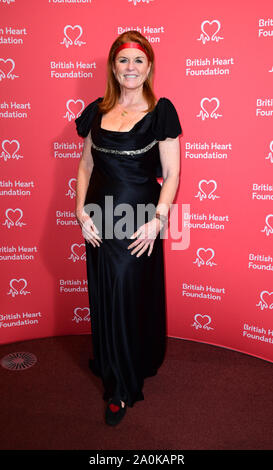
[(130, 45)]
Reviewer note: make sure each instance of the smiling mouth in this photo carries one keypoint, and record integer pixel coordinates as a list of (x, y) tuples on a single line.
[(130, 76)]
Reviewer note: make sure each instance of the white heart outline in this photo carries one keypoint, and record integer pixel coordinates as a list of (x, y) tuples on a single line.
[(264, 301), (10, 142), (202, 316), (75, 102), (14, 210), (210, 23), (207, 182), (267, 223), (205, 250), (73, 27), (70, 182), (209, 100), (78, 245), (18, 280), (78, 317), (5, 61)]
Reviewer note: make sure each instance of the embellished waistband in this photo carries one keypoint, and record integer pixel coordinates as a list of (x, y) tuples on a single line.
[(126, 152)]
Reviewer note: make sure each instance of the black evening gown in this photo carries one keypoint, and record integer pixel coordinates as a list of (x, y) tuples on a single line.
[(126, 293)]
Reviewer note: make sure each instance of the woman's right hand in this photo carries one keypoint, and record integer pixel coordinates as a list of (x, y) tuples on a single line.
[(89, 230)]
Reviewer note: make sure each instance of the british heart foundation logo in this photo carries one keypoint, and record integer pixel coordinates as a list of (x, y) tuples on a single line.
[(202, 322), (13, 218), (10, 150), (17, 287), (139, 2), (207, 190), (210, 31), (204, 257), (71, 188), (6, 69), (81, 314), (72, 36), (266, 300), (73, 109), (78, 252), (268, 228), (270, 153), (209, 107)]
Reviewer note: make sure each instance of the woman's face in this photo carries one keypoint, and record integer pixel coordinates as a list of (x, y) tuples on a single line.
[(131, 68)]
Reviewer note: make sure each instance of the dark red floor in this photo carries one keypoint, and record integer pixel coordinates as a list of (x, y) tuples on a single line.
[(203, 397)]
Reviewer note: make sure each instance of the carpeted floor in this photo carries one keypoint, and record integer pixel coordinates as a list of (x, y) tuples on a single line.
[(203, 397)]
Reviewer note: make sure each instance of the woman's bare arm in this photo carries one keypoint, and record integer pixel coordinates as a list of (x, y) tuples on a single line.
[(85, 168), (170, 161), (169, 150), (86, 164)]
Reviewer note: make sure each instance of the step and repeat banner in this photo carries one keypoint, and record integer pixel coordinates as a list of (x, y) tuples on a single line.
[(214, 62)]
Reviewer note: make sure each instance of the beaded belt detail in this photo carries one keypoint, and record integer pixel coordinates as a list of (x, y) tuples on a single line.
[(126, 152)]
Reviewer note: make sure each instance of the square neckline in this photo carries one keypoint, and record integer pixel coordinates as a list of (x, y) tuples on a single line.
[(126, 132)]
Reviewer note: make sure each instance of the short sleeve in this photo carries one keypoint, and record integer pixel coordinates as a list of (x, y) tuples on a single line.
[(84, 121), (166, 121)]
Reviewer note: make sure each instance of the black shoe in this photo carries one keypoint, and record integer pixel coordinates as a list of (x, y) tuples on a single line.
[(114, 411)]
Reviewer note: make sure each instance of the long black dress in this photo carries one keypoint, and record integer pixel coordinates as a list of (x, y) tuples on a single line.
[(126, 293)]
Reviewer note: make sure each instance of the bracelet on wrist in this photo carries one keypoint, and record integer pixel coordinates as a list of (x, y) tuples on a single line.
[(163, 218)]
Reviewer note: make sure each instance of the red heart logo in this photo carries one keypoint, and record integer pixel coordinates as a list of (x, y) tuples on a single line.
[(113, 407)]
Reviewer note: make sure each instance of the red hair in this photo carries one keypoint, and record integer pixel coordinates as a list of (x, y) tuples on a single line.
[(112, 91)]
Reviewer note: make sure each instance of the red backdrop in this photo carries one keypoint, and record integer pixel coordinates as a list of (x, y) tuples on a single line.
[(214, 61)]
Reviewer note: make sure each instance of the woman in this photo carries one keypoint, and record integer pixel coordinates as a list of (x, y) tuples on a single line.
[(130, 140)]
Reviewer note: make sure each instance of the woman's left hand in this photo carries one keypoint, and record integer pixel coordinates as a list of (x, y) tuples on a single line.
[(146, 234)]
